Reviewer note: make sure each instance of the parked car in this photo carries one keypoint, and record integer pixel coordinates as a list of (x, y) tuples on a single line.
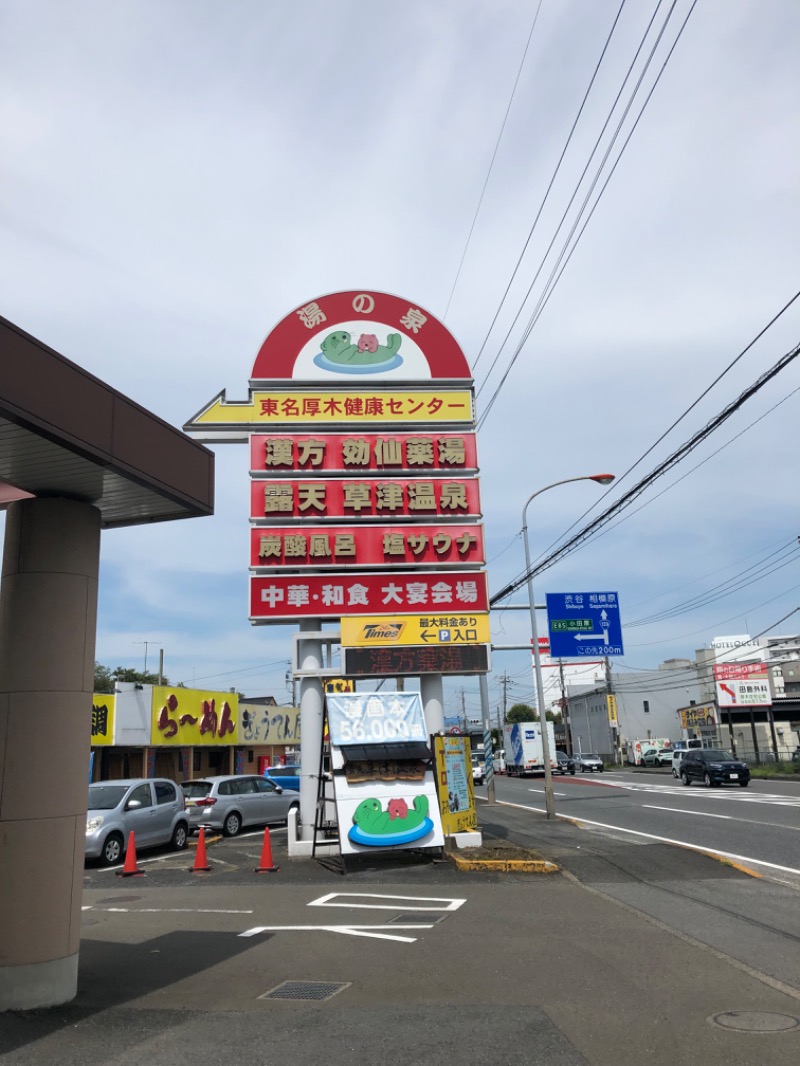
[(230, 801), (678, 755), (585, 760), (153, 809), (714, 766), (478, 768), (285, 776), (565, 764), (657, 757)]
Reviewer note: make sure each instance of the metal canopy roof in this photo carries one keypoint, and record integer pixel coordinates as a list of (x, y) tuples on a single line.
[(65, 433)]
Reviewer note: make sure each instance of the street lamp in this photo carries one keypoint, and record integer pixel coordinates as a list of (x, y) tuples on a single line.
[(601, 479)]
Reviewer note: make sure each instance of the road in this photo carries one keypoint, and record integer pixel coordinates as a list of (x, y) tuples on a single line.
[(637, 951), (758, 826)]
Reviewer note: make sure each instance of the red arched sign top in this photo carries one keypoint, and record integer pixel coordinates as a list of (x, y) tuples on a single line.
[(360, 334)]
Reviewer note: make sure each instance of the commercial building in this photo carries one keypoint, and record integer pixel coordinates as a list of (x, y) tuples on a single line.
[(180, 733)]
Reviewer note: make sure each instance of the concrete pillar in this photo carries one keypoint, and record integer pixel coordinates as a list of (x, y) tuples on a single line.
[(431, 690), (311, 713), (48, 614)]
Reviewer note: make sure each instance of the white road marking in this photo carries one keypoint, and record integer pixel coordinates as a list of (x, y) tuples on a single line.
[(541, 792), (169, 910), (326, 901), (703, 814), (661, 840), (347, 930)]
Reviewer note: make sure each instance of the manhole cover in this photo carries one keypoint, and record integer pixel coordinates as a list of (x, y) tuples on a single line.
[(317, 990), (119, 899), (416, 918), (755, 1021)]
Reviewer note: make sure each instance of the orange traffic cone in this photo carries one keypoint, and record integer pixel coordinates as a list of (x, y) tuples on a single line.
[(130, 869), (266, 866), (200, 861)]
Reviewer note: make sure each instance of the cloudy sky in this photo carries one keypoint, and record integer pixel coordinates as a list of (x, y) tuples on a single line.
[(176, 177)]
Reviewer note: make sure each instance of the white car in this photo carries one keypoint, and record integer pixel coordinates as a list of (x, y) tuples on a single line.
[(478, 769)]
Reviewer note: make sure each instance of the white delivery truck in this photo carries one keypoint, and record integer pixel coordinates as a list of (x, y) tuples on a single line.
[(523, 747)]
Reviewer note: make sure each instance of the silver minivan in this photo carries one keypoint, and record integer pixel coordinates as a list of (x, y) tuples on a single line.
[(153, 809)]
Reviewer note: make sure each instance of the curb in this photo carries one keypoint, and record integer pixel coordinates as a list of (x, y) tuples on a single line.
[(508, 866)]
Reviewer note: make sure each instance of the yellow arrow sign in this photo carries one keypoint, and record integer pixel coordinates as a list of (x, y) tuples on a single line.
[(324, 407), (384, 630)]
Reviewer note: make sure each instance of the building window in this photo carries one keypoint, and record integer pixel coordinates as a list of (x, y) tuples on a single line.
[(646, 704)]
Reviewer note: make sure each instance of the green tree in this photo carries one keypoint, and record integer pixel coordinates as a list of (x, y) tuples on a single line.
[(105, 678), (521, 712)]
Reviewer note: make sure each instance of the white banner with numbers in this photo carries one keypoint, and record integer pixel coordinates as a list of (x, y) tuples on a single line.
[(375, 718)]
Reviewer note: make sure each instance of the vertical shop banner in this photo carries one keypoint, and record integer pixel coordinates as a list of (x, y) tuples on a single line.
[(103, 719), (454, 783)]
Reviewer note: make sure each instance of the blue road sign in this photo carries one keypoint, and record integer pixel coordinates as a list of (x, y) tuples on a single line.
[(584, 624)]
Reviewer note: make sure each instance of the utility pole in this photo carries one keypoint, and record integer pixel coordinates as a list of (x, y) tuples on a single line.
[(464, 712), (609, 703), (505, 681), (565, 707)]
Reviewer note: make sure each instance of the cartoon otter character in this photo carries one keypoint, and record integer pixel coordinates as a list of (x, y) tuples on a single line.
[(338, 348)]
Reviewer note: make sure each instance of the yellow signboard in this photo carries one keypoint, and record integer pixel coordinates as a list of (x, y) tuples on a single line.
[(331, 406), (697, 716), (407, 629), (103, 719), (454, 784), (187, 717), (339, 684), (611, 701)]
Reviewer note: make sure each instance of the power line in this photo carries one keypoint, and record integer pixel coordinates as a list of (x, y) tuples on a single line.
[(574, 193), (691, 407), (624, 501), (725, 588), (697, 466), (722, 622), (491, 162), (549, 187), (776, 546)]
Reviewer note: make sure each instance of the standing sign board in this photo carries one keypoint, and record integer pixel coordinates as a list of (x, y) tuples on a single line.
[(383, 784), (584, 625), (454, 783)]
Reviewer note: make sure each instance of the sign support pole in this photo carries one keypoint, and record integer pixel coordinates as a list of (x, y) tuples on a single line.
[(431, 690), (311, 707), (487, 728)]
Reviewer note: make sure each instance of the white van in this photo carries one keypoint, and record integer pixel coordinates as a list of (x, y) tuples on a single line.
[(679, 750)]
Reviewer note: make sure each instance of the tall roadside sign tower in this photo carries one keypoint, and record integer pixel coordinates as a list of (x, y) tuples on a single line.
[(364, 501)]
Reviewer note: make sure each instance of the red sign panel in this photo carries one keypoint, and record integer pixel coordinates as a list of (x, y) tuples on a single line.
[(362, 453), (329, 319), (323, 546), (739, 671), (283, 597), (343, 498)]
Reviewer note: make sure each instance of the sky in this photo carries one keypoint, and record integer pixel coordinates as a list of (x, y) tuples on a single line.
[(177, 177)]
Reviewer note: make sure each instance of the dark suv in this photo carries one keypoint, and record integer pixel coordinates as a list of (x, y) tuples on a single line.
[(713, 766)]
